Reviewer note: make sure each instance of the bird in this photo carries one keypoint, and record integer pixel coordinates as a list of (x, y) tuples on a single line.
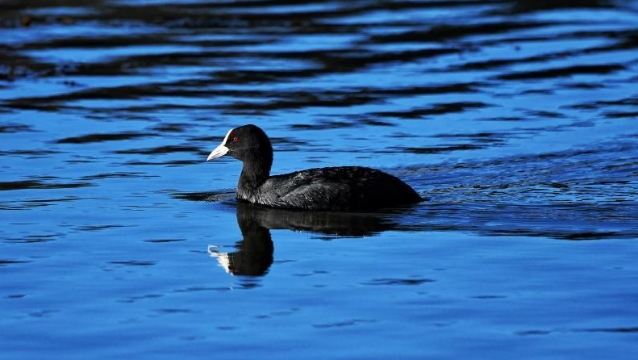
[(341, 188)]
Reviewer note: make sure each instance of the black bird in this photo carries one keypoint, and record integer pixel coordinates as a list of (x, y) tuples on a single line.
[(344, 188)]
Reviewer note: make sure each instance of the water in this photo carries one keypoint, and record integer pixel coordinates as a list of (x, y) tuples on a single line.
[(517, 120)]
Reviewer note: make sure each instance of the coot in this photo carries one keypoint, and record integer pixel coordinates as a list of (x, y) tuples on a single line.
[(344, 188)]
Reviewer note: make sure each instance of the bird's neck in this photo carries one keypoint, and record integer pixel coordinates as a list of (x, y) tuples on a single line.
[(251, 178), (255, 171)]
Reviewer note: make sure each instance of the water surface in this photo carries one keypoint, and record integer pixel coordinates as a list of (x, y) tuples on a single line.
[(515, 119)]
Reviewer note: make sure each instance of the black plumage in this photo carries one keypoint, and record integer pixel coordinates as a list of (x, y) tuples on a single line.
[(344, 188)]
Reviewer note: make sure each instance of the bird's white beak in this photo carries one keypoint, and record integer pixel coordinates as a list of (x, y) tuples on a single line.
[(221, 150)]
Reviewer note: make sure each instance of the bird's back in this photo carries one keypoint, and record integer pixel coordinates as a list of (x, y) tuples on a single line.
[(347, 188)]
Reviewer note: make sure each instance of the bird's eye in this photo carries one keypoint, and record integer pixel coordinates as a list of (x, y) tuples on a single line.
[(235, 139)]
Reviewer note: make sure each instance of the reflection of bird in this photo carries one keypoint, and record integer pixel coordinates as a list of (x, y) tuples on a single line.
[(329, 224), (347, 188), (254, 252)]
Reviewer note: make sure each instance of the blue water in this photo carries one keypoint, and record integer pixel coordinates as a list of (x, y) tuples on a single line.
[(516, 120)]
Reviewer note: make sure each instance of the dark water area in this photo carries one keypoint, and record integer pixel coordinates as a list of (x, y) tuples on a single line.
[(517, 120)]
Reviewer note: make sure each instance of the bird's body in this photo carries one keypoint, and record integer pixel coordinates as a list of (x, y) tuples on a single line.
[(345, 188)]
